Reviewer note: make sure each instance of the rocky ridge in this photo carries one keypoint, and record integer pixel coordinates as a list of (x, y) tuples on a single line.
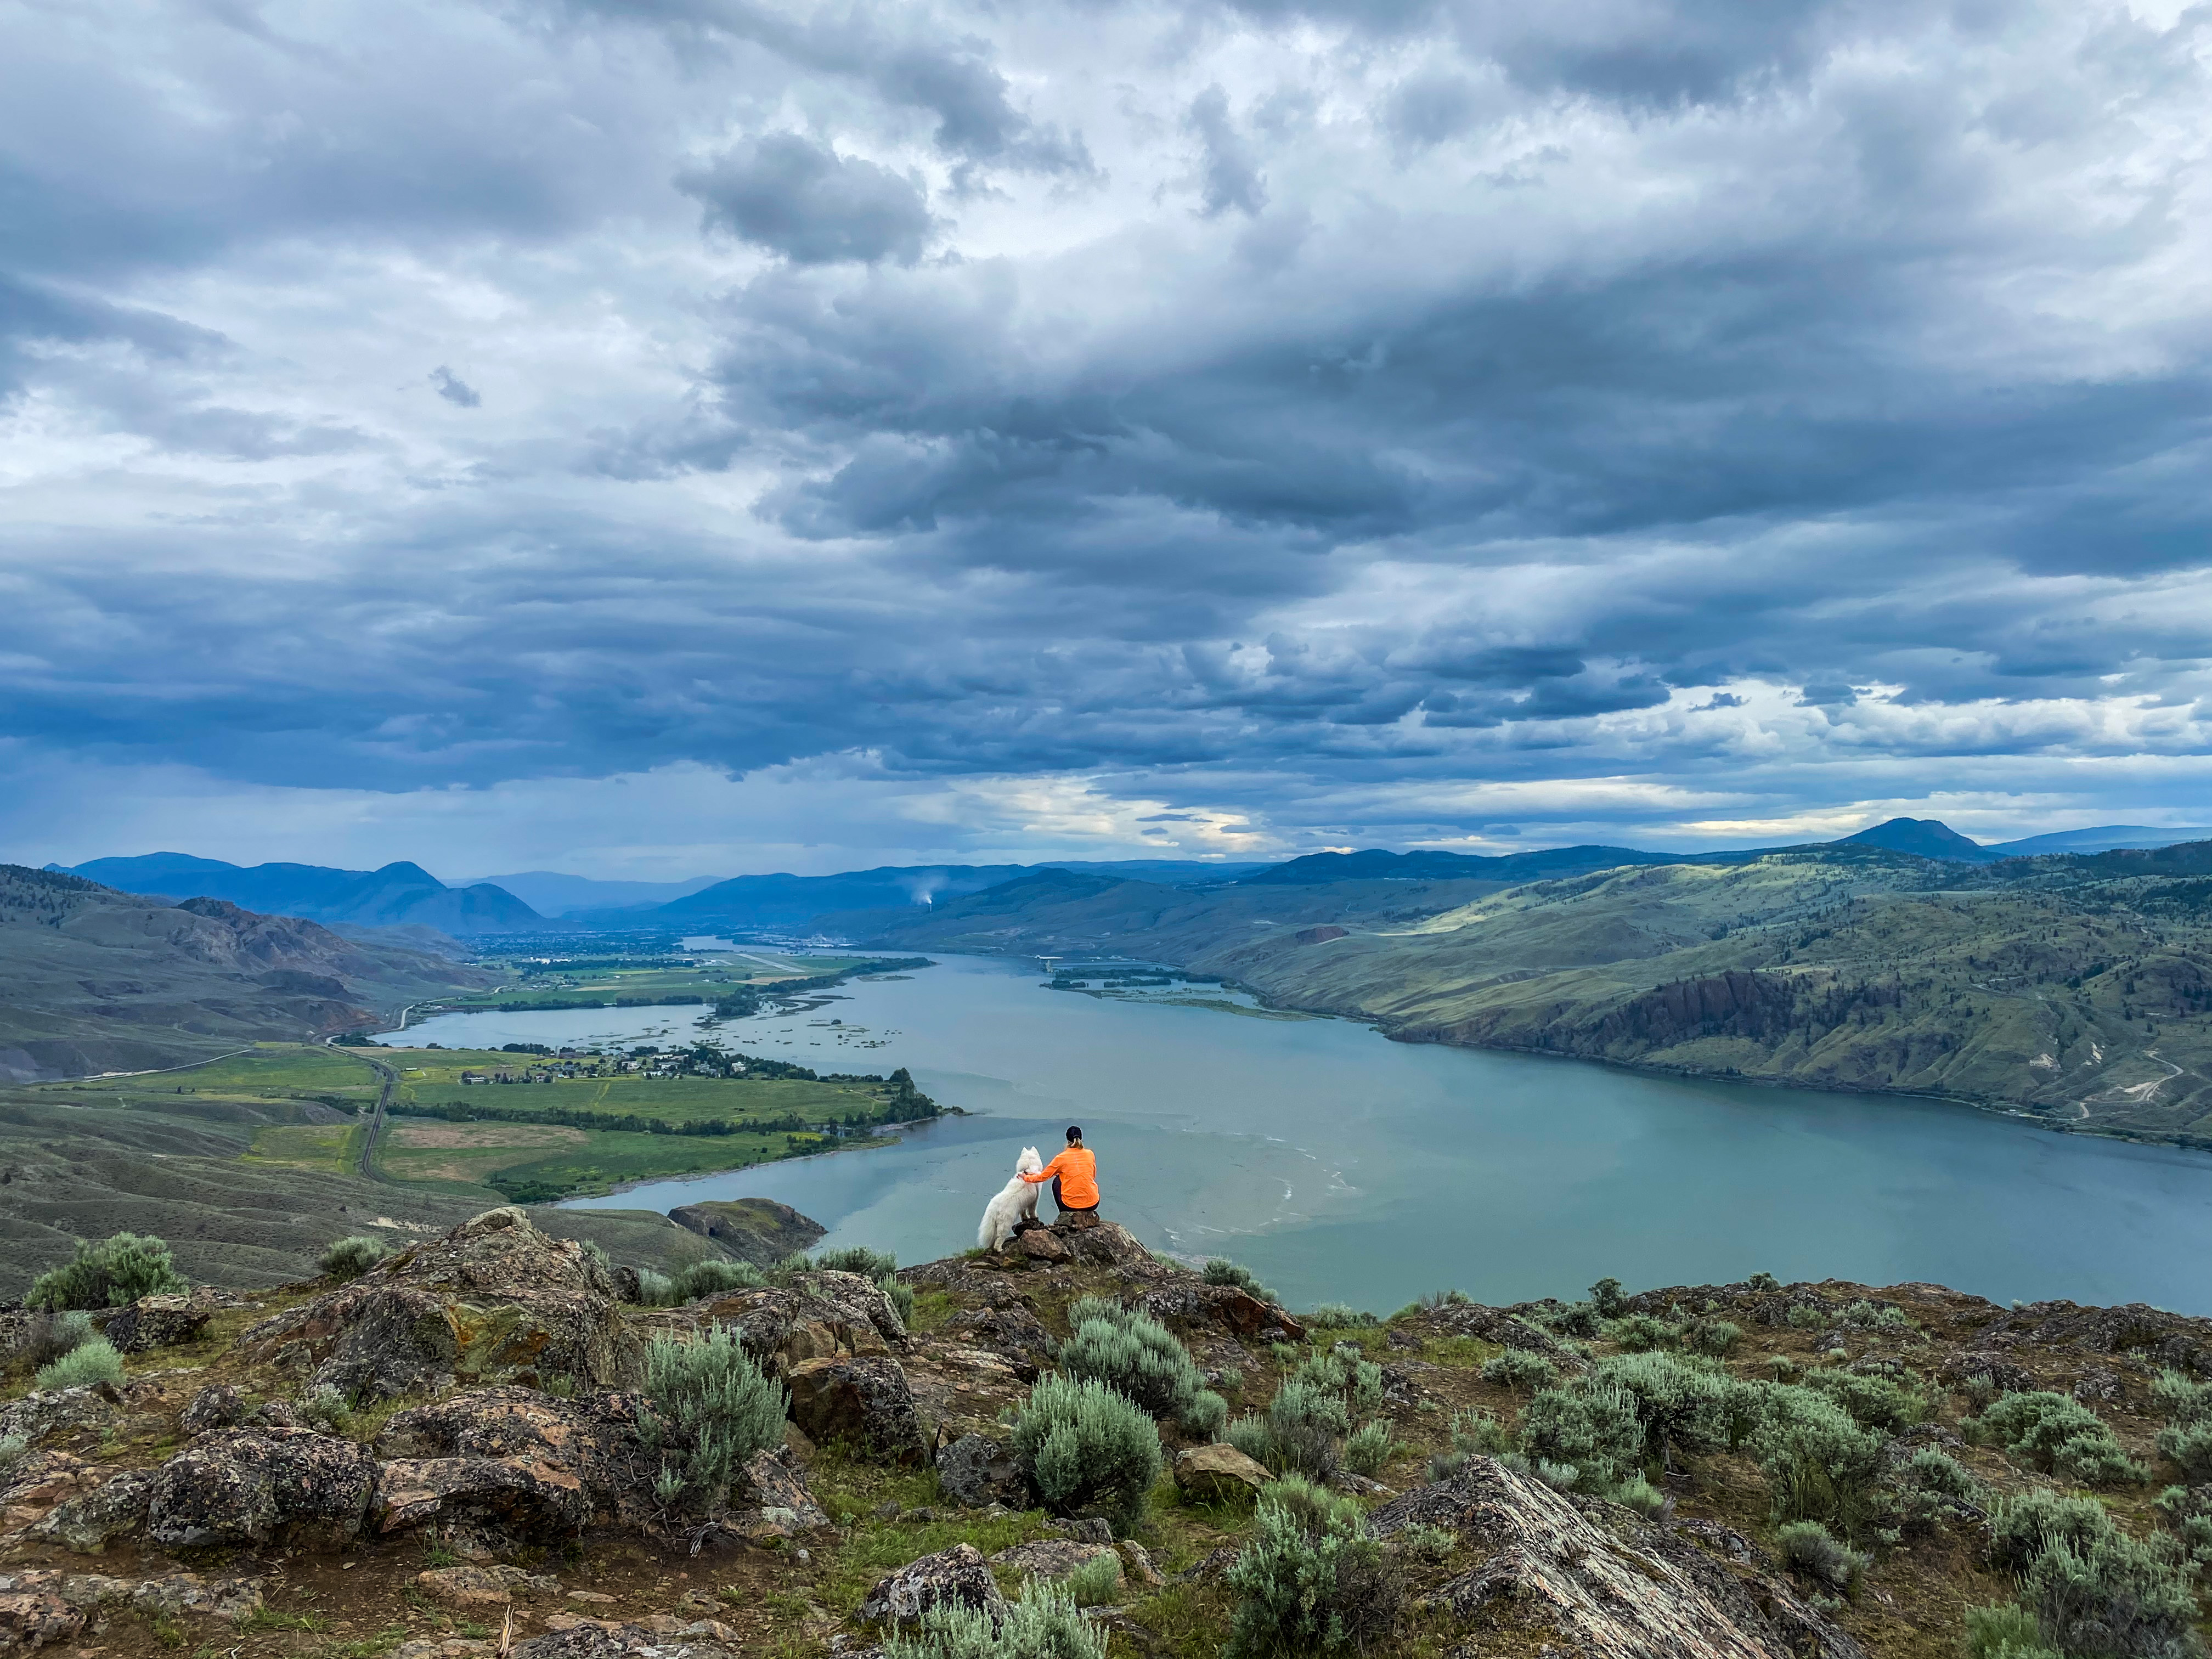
[(451, 1457)]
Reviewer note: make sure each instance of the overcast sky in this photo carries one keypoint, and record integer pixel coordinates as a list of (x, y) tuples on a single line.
[(658, 437)]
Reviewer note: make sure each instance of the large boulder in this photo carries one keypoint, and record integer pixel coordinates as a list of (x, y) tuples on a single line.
[(1596, 1579), (218, 1406), (818, 1316), (979, 1472), (864, 1401), (1219, 1473), (756, 1230), (494, 1300), (60, 1414), (1186, 1299), (1052, 1558), (239, 1487), (1013, 1332), (158, 1322), (1103, 1244), (521, 1463), (771, 1500), (87, 1523), (33, 1612), (959, 1577)]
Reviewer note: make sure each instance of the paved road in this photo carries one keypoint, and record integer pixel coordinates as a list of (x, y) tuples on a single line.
[(390, 1077)]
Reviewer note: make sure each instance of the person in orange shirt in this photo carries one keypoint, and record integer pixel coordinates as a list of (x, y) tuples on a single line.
[(1073, 1174)]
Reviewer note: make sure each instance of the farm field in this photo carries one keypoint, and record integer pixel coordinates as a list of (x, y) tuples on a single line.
[(531, 986), (433, 1077), (538, 1162)]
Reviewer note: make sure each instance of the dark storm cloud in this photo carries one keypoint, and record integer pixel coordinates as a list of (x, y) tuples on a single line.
[(1398, 400), (810, 204)]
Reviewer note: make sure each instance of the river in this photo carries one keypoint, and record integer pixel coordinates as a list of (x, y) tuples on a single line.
[(1340, 1166)]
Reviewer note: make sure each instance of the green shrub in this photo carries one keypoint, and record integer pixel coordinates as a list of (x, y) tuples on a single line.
[(655, 1289), (1803, 1316), (1764, 1283), (1873, 1317), (1605, 1296), (1473, 1432), (2188, 1510), (1085, 1447), (1358, 1383), (2022, 1527), (1677, 1402), (1297, 1433), (2053, 1431), (716, 1276), (2180, 1399), (1311, 1581), (1640, 1495), (1097, 1583), (2116, 1596), (1340, 1317), (1367, 1448), (1819, 1465), (1707, 1335), (2008, 1630), (1517, 1369), (2189, 1445), (96, 1361), (13, 1450), (348, 1259), (48, 1336), (323, 1408), (1592, 1427), (1929, 1486), (901, 1294), (1575, 1319), (1139, 1359), (1219, 1271), (1874, 1402), (857, 1259), (1809, 1551), (712, 1410), (112, 1274), (1641, 1333), (1044, 1624)]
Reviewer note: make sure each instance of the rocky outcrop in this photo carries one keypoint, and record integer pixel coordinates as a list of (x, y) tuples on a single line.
[(472, 1589), (589, 1638), (2177, 1341), (819, 1315), (756, 1230), (494, 1300), (1011, 1331), (979, 1472), (1219, 1473), (959, 1577), (523, 1464), (771, 1500), (59, 1414), (1494, 1325), (864, 1401), (1599, 1581), (220, 1407), (239, 1487), (88, 1522), (1052, 1558), (1191, 1301)]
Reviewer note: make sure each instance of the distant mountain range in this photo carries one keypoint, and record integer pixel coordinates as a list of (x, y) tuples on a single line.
[(398, 896), (550, 893)]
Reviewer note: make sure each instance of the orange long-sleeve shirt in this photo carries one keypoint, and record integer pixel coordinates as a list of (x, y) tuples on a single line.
[(1078, 1170)]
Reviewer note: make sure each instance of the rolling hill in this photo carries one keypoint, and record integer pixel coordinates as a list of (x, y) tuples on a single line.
[(399, 894), (92, 980), (2075, 988)]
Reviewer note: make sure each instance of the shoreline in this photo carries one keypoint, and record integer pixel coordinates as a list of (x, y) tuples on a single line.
[(872, 1144)]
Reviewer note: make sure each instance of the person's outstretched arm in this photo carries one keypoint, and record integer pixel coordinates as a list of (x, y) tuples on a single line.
[(1047, 1172)]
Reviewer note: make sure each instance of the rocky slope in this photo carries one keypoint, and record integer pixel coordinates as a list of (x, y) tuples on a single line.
[(453, 1456), (94, 981)]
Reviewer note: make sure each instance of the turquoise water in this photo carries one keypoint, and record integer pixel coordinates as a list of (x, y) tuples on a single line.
[(1341, 1166)]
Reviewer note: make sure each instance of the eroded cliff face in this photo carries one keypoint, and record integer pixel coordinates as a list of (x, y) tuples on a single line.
[(457, 1455)]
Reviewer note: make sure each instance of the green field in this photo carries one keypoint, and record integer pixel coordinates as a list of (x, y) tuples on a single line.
[(429, 1076), (530, 985), (534, 1161), (267, 1071)]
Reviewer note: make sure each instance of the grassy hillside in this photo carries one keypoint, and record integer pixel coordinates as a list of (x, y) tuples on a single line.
[(2075, 988), (94, 981)]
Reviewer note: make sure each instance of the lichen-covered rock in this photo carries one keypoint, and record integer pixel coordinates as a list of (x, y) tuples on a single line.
[(959, 1391), (1052, 1557), (158, 1322), (959, 1577), (1187, 1299), (39, 1480), (260, 1486), (756, 1230), (234, 1600), (863, 1401), (59, 1414), (88, 1522), (587, 1639), (2179, 1341), (1219, 1473), (33, 1612), (1494, 1325), (1105, 1244), (494, 1300), (524, 1464), (1602, 1581), (1013, 1333), (818, 1316), (219, 1405), (979, 1472), (1961, 1371), (1038, 1245), (771, 1499)]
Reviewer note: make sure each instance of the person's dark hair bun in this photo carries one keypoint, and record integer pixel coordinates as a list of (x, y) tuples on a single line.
[(1073, 1132)]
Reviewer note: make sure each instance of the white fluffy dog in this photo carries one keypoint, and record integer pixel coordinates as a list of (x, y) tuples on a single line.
[(1017, 1202)]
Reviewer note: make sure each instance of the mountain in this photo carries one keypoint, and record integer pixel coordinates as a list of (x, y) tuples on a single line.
[(788, 901), (1927, 838), (399, 894), (2103, 840), (92, 980), (551, 893), (1375, 865)]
